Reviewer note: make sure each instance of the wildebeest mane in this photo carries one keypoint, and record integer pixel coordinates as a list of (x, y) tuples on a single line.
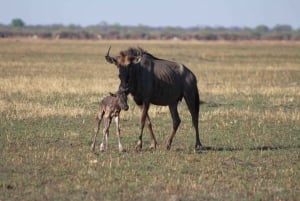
[(132, 53)]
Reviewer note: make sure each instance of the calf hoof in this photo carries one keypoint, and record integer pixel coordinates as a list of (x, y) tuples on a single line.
[(121, 149), (138, 147), (153, 146), (93, 147), (102, 148)]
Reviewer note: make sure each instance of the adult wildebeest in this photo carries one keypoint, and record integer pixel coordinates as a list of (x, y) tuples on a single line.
[(110, 107), (160, 82)]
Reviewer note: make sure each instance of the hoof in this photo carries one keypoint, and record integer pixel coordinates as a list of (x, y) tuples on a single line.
[(93, 147), (139, 146), (121, 149), (153, 146), (169, 145), (198, 147), (102, 148)]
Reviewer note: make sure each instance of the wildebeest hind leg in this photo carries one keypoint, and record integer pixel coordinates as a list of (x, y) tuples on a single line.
[(193, 102), (176, 122)]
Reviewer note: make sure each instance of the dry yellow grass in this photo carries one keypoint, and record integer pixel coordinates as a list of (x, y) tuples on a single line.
[(57, 70)]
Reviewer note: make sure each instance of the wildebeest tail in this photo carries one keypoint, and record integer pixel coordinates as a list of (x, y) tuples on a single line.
[(202, 102), (197, 101)]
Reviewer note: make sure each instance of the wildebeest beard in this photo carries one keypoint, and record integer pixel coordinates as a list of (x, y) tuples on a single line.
[(128, 78), (124, 79)]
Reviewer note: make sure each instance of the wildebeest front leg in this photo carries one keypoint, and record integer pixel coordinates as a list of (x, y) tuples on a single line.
[(176, 122), (118, 134), (149, 125), (145, 109)]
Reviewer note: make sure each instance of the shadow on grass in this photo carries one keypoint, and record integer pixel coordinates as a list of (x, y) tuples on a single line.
[(258, 148)]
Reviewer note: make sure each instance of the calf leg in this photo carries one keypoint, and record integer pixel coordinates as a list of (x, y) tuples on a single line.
[(176, 122), (99, 119), (118, 134), (105, 135)]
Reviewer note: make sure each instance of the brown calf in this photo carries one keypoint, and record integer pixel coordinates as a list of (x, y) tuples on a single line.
[(110, 107)]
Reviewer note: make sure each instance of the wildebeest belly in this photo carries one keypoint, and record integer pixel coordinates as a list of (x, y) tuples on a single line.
[(166, 93)]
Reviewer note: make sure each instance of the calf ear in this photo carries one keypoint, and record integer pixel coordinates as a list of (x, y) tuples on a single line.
[(112, 94)]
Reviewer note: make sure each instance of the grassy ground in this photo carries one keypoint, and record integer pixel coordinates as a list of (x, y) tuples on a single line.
[(49, 94)]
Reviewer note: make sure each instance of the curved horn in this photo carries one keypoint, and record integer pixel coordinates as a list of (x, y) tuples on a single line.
[(110, 59), (107, 54)]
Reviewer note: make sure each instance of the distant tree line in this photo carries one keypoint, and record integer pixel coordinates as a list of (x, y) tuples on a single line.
[(103, 31)]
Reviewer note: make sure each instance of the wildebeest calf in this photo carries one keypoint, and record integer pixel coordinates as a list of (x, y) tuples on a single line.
[(110, 107)]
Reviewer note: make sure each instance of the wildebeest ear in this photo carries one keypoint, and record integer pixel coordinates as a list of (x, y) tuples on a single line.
[(137, 59)]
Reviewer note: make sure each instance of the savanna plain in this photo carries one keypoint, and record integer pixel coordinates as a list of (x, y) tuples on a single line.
[(249, 127)]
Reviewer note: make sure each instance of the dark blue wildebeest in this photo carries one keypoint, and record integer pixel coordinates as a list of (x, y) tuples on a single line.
[(151, 80)]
